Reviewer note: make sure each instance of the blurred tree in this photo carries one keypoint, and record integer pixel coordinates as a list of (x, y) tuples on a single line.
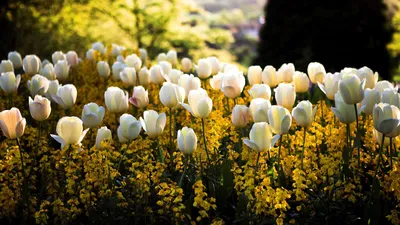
[(337, 33)]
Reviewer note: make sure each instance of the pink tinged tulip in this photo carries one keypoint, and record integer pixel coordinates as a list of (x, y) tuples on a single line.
[(153, 123), (240, 116), (12, 123), (200, 105), (69, 131), (9, 82), (140, 97), (39, 108), (261, 137), (72, 58)]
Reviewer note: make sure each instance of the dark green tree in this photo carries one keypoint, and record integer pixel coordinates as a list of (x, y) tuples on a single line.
[(336, 33)]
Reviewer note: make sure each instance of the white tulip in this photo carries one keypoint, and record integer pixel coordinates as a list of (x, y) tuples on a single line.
[(39, 108), (72, 58), (103, 69), (38, 85), (98, 46), (117, 68), (390, 96), (116, 100), (304, 113), (16, 59), (370, 77), (66, 96), (371, 97), (189, 82), (61, 69), (301, 82), (261, 138), (153, 123), (200, 105), (280, 119), (92, 115), (32, 65), (133, 61), (69, 131), (157, 74), (232, 84), (6, 66), (129, 128), (269, 76), (186, 65), (285, 95), (203, 68), (259, 109), (48, 72), (171, 95), (128, 76), (286, 73), (172, 57), (187, 140), (331, 85), (214, 63), (102, 134), (9, 82), (144, 77), (58, 56)]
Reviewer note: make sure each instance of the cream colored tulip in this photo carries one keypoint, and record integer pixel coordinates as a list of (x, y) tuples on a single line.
[(269, 76), (153, 123), (286, 73), (174, 75), (371, 97), (279, 119), (61, 69), (370, 77), (116, 100), (32, 65), (259, 109), (133, 61), (161, 57), (69, 131), (117, 68), (215, 81), (260, 91), (58, 56), (204, 69), (72, 58), (386, 118), (38, 85), (254, 75), (128, 76), (140, 97), (166, 67), (344, 112), (171, 95), (66, 96), (12, 123), (103, 69), (144, 77), (187, 140), (39, 108), (9, 82), (92, 115), (189, 82), (390, 96), (186, 65), (240, 116), (200, 105), (301, 82), (304, 113), (16, 59), (157, 74), (172, 57), (102, 134), (351, 89), (316, 72), (214, 63), (232, 84), (129, 128), (331, 85), (261, 137), (382, 85), (285, 95), (6, 66)]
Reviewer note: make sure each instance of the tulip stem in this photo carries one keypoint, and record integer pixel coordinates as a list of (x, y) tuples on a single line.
[(279, 159), (25, 198), (184, 170), (376, 169), (302, 151), (38, 140), (10, 101), (257, 164), (160, 154), (357, 137), (322, 111), (171, 150), (391, 152), (288, 143), (205, 141)]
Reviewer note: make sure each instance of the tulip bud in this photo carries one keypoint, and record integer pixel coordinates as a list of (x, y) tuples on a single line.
[(103, 69), (189, 82), (157, 74), (386, 118), (301, 82), (6, 66), (285, 95), (371, 97), (16, 59), (331, 85), (187, 140), (116, 100), (117, 68), (161, 57), (66, 96), (203, 69), (232, 84), (140, 97), (91, 55), (171, 95), (214, 63), (348, 71), (269, 76), (200, 105), (48, 72), (317, 72), (231, 68), (38, 85), (9, 82), (153, 123), (172, 57), (39, 108), (344, 112), (143, 55), (186, 65), (259, 109), (382, 85), (370, 77), (129, 128), (115, 50), (72, 58), (102, 134), (390, 96), (240, 116), (52, 90), (304, 113), (261, 138), (128, 76), (144, 77), (352, 89), (215, 81), (378, 138), (70, 131), (286, 73), (279, 119), (31, 64), (58, 56), (92, 115), (61, 69), (174, 75), (166, 67), (98, 46), (120, 59), (254, 75), (45, 62), (133, 61), (12, 123)]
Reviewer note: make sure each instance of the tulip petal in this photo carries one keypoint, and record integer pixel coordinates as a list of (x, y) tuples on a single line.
[(187, 107), (388, 126), (19, 130), (58, 139), (322, 87), (275, 139), (83, 135), (143, 123), (4, 128), (251, 145)]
